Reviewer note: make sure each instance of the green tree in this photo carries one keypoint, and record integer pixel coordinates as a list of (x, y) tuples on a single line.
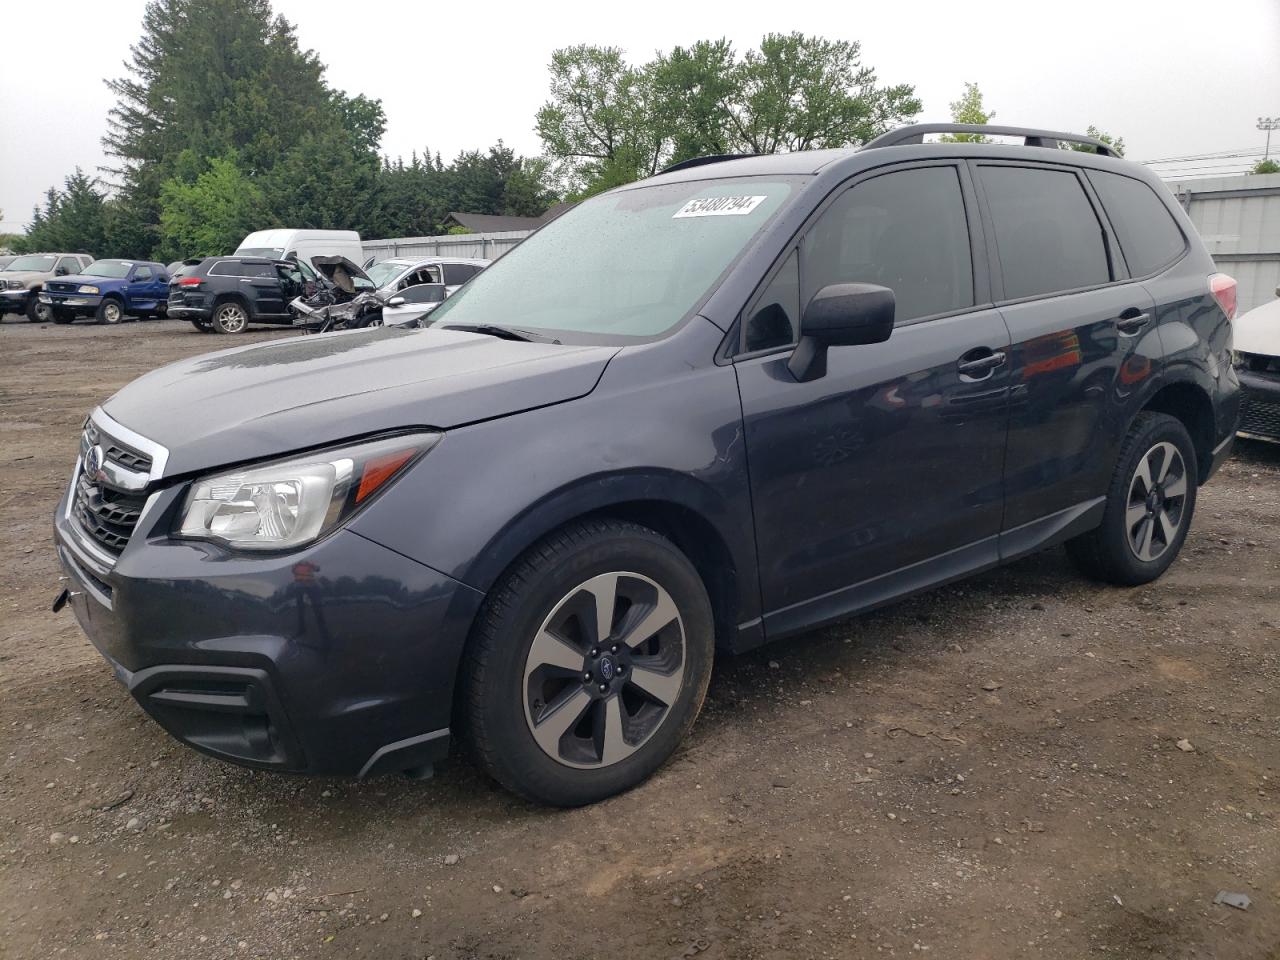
[(1266, 166), (808, 93), (210, 215), (1115, 143), (599, 120), (608, 122), (969, 109), (73, 218)]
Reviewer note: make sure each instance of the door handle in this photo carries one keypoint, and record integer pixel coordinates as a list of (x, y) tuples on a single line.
[(1132, 320), (981, 365)]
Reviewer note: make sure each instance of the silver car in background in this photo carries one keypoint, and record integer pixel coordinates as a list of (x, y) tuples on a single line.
[(420, 284)]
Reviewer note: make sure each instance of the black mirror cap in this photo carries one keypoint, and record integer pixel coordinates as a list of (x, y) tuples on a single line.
[(841, 315), (849, 314)]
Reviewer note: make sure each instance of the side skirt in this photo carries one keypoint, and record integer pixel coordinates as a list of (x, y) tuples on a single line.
[(925, 575)]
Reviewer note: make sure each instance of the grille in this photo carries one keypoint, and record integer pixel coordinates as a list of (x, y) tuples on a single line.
[(116, 452), (107, 515), (57, 286), (1261, 416)]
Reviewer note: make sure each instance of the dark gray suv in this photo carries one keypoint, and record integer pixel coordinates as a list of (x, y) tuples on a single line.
[(715, 408)]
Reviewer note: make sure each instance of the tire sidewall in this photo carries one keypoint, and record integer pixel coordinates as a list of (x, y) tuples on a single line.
[(521, 763), (104, 312), (38, 312), (225, 306), (1157, 428)]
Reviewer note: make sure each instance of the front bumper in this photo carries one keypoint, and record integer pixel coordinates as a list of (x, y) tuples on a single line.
[(14, 301), (74, 302), (338, 659), (1260, 410)]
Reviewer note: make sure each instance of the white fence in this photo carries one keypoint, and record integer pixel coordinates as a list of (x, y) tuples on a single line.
[(479, 246)]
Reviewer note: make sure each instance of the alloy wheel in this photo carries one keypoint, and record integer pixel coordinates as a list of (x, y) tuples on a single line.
[(604, 670), (231, 318), (1157, 502)]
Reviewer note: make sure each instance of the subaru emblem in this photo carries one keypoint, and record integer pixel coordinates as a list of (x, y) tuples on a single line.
[(93, 462)]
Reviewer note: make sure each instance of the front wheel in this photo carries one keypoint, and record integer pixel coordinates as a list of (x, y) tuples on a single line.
[(588, 664), (1149, 505), (230, 317), (62, 316), (110, 312), (38, 312)]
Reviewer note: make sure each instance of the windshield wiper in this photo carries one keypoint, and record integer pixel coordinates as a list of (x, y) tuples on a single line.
[(506, 333)]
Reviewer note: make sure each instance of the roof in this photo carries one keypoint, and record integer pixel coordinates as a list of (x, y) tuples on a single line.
[(493, 223)]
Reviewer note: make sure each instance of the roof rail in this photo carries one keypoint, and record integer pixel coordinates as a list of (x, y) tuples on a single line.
[(915, 133), (710, 158)]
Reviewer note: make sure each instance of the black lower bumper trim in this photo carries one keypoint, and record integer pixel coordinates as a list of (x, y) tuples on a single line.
[(232, 713)]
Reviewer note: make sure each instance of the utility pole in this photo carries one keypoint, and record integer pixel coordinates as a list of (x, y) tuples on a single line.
[(1268, 124)]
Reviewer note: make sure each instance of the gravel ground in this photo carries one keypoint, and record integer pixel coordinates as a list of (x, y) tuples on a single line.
[(1025, 764)]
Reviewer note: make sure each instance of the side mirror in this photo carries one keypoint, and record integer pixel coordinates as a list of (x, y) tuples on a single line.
[(396, 302), (840, 315), (61, 272)]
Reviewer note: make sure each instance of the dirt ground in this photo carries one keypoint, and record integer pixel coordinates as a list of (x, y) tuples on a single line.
[(989, 770)]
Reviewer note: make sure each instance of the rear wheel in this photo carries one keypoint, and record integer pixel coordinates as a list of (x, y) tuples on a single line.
[(1149, 505), (230, 317), (588, 664), (110, 311)]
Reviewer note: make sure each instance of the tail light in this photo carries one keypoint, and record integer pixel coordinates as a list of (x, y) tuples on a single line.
[(196, 281), (1223, 289)]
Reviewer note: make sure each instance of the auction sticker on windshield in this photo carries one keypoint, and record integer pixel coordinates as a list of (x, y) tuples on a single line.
[(718, 207)]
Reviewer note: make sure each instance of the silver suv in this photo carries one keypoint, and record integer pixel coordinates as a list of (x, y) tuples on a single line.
[(24, 277)]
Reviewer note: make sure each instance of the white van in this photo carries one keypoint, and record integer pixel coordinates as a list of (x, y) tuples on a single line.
[(302, 245)]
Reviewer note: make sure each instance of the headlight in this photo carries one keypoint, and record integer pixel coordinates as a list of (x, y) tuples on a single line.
[(88, 289), (293, 502)]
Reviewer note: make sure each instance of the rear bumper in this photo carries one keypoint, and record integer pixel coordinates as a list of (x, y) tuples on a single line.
[(1260, 410), (339, 659), (179, 312)]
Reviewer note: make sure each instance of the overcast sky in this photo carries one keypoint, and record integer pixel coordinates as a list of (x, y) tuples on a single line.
[(1175, 78)]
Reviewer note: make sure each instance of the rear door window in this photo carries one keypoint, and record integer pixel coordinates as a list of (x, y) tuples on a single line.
[(455, 273), (1048, 237), (905, 230), (1149, 236)]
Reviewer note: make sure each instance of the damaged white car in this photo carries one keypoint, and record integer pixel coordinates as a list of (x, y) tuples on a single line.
[(1257, 358)]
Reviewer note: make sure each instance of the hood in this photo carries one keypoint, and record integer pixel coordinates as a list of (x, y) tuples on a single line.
[(27, 276), (339, 271), (1258, 331), (79, 278), (262, 401)]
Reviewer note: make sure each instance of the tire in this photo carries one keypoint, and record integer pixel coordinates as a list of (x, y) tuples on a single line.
[(202, 325), (1145, 523), (110, 311), (512, 686), (63, 316), (38, 312), (231, 317)]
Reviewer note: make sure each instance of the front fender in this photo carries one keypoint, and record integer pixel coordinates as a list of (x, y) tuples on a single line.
[(488, 491)]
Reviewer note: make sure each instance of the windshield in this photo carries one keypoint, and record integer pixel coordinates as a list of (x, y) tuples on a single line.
[(40, 262), (623, 265), (270, 253), (383, 273), (117, 269)]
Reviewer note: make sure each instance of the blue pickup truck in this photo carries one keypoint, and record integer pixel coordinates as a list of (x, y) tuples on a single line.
[(108, 290)]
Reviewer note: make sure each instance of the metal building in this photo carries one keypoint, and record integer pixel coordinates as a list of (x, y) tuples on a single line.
[(1239, 220)]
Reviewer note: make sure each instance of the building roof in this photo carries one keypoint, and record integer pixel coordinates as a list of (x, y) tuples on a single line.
[(492, 223)]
